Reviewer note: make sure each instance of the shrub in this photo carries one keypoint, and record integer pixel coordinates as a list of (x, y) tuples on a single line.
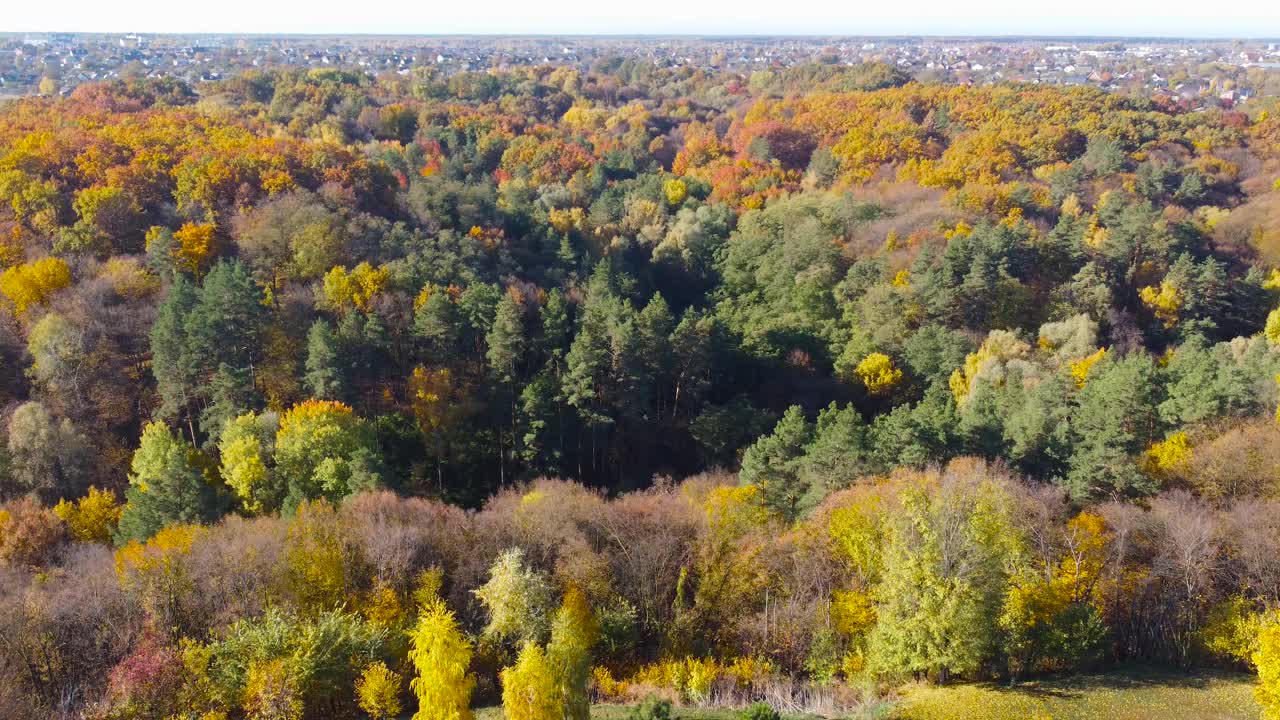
[(92, 518), (378, 691), (760, 711), (651, 709), (530, 690), (29, 534)]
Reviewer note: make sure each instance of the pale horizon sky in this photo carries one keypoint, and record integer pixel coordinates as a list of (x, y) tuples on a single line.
[(1137, 18)]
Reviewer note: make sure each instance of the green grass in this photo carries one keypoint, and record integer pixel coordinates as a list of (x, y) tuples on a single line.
[(1120, 695)]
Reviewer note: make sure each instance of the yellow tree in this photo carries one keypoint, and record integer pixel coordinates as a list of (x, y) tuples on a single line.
[(530, 690), (441, 654), (194, 246), (345, 289), (1267, 659), (378, 691), (32, 283), (573, 633)]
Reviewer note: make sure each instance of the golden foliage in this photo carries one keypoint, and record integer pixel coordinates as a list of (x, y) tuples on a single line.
[(877, 373), (1266, 658), (32, 283), (194, 246), (441, 654), (378, 692), (344, 290), (675, 191), (1080, 368), (92, 518), (1165, 301), (1167, 456)]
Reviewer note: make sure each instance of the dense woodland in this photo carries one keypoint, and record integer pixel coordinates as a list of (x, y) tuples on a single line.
[(326, 395)]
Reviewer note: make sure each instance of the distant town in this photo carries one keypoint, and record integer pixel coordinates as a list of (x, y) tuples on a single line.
[(1198, 73)]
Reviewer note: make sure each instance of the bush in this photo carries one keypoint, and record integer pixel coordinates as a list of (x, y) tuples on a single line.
[(651, 709), (760, 711), (29, 534)]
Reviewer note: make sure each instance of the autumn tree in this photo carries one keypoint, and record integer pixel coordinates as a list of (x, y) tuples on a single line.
[(574, 631), (441, 654)]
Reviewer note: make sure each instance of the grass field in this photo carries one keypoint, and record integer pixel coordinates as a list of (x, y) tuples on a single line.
[(1126, 695), (619, 712), (1118, 695)]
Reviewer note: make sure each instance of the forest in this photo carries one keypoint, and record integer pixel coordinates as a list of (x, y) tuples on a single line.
[(333, 395)]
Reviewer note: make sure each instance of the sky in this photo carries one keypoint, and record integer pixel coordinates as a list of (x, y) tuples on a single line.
[(1149, 18)]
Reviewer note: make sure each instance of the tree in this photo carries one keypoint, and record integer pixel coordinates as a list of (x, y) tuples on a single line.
[(773, 463), (33, 283), (506, 343), (437, 324), (1117, 418), (108, 218), (271, 691), (246, 446), (29, 533), (226, 322), (837, 456), (324, 376), (441, 655), (588, 363), (46, 457), (574, 631), (530, 690), (92, 518), (168, 484), (193, 246), (945, 570), (346, 290), (176, 372), (691, 360), (877, 373), (517, 598), (324, 450), (1267, 659)]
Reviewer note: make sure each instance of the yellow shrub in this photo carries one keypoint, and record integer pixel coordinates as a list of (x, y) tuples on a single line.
[(378, 692), (606, 685), (92, 518), (878, 373), (271, 692), (691, 677), (382, 606), (530, 690), (1165, 457), (32, 283), (748, 671), (1232, 629), (1165, 301)]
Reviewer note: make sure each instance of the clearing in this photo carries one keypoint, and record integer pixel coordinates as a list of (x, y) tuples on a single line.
[(1122, 694)]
